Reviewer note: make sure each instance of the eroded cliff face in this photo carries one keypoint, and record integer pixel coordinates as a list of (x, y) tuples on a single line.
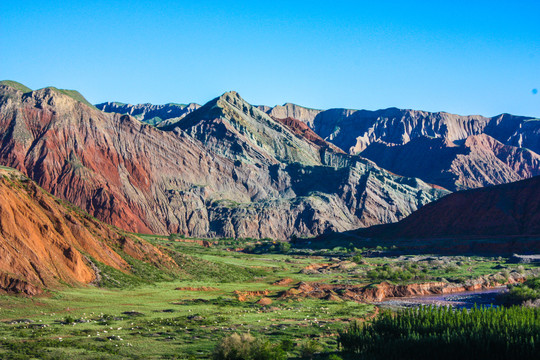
[(385, 290), (226, 169), (354, 130), (44, 244)]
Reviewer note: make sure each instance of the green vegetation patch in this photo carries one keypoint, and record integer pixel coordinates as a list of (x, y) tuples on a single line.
[(195, 310), (16, 85)]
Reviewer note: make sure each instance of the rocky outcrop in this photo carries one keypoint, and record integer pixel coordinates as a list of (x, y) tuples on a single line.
[(44, 244), (247, 295), (227, 169), (13, 285), (385, 290), (283, 282), (157, 115)]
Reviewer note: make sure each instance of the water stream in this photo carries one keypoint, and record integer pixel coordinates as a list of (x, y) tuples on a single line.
[(467, 299)]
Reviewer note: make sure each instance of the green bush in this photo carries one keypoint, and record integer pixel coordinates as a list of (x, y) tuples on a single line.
[(268, 247), (284, 247), (529, 290), (309, 348), (287, 345), (247, 347), (335, 357)]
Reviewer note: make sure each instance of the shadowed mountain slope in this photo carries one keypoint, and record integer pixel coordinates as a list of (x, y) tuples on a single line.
[(478, 161), (503, 210)]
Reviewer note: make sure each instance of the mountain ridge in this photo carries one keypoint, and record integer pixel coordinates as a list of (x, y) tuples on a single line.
[(378, 135), (157, 115)]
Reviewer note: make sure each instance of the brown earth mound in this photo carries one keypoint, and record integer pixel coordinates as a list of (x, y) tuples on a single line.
[(326, 268), (247, 295), (265, 301), (283, 282)]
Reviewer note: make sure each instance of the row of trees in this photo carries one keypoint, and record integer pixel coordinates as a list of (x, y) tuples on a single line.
[(444, 333)]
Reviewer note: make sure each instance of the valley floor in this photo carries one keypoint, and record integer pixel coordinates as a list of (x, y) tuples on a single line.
[(220, 292)]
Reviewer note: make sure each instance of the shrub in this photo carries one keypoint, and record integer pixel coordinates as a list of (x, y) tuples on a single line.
[(287, 345), (309, 348), (284, 247), (528, 291), (335, 357), (247, 347)]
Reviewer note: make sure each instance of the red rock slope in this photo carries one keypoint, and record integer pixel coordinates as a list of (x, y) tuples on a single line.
[(43, 243)]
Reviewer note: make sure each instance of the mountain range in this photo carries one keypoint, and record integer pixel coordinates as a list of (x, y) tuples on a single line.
[(151, 114), (455, 152), (231, 169), (226, 169)]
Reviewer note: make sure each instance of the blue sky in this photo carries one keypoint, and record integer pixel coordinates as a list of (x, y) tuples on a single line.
[(465, 57)]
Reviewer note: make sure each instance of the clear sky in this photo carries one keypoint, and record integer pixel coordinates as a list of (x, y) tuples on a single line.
[(465, 57)]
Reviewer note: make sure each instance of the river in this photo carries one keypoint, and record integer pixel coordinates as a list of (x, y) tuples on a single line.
[(466, 299)]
